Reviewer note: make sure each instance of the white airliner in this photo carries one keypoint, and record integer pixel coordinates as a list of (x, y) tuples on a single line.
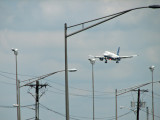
[(111, 56)]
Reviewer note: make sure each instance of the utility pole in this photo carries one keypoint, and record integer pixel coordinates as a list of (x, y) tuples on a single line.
[(147, 111), (37, 86), (138, 101), (37, 101)]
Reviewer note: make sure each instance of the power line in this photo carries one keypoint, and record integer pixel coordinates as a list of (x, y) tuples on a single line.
[(63, 115), (87, 96), (8, 83), (124, 90), (98, 95), (3, 106), (89, 91), (86, 90), (151, 114), (17, 74), (8, 77), (82, 117), (158, 95), (30, 118)]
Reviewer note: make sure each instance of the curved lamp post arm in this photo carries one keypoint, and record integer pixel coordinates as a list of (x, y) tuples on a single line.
[(44, 76), (123, 91), (111, 17)]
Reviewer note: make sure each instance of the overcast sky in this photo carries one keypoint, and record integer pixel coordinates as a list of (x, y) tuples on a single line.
[(36, 28)]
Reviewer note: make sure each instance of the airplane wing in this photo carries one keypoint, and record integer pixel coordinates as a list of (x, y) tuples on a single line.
[(121, 57), (98, 56)]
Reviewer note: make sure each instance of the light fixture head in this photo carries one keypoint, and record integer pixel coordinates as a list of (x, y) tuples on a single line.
[(121, 107), (72, 70), (154, 6), (92, 59), (15, 50), (15, 105), (152, 68)]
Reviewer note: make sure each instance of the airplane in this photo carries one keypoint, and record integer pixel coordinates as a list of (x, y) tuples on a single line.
[(112, 56)]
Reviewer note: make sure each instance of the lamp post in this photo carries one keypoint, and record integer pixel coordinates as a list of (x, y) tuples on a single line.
[(152, 68), (36, 79), (17, 85), (44, 76), (92, 61), (105, 19)]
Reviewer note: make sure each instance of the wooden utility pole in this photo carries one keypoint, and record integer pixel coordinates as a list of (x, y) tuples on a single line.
[(37, 86), (37, 101), (138, 101)]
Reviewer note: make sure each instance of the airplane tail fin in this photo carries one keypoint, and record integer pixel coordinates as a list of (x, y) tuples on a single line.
[(118, 50)]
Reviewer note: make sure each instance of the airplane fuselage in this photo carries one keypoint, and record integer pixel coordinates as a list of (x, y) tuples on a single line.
[(111, 56)]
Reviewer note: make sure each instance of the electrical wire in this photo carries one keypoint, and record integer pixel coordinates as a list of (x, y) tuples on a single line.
[(87, 96), (86, 90), (7, 77), (156, 94), (30, 118), (17, 74), (27, 105), (122, 91), (3, 106), (155, 97), (81, 117), (151, 113), (8, 83), (63, 115)]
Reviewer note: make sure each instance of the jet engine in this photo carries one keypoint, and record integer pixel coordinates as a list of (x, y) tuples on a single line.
[(101, 59)]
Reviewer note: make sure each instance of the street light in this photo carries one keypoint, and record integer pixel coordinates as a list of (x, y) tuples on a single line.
[(152, 68), (109, 17), (15, 50), (92, 61), (36, 79), (44, 76), (72, 70)]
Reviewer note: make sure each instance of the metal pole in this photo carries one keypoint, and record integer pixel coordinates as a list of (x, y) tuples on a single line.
[(152, 97), (116, 102), (17, 88), (66, 74), (92, 61), (152, 68), (19, 100), (93, 88), (147, 111)]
